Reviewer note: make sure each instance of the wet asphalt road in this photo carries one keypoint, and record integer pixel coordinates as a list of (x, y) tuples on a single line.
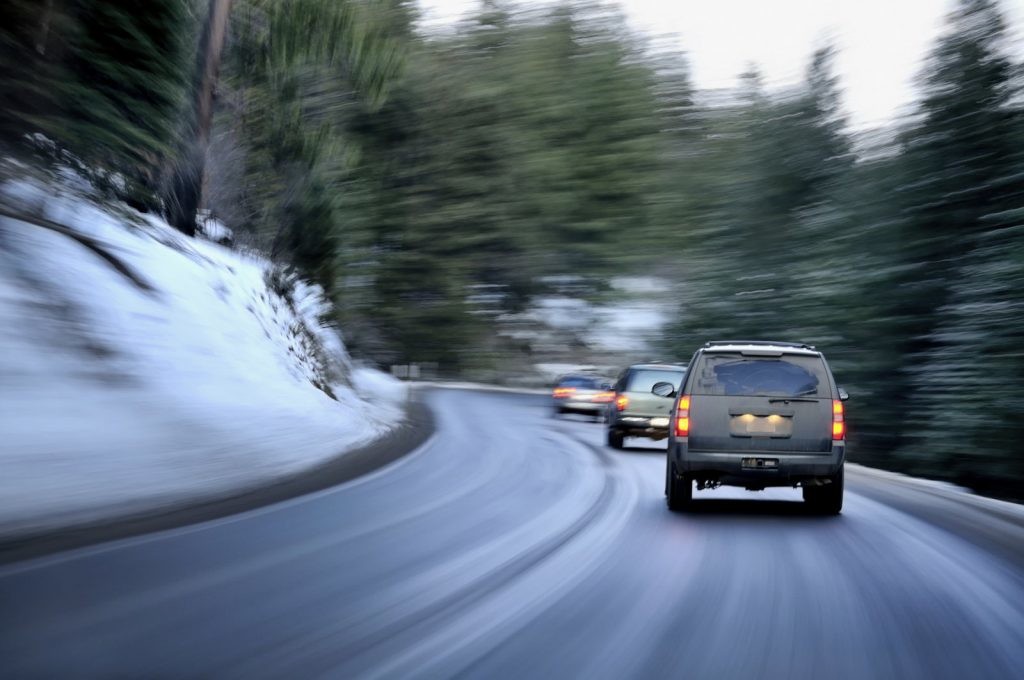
[(516, 545)]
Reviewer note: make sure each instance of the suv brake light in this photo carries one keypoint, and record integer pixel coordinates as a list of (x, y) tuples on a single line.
[(838, 421), (621, 402), (683, 417)]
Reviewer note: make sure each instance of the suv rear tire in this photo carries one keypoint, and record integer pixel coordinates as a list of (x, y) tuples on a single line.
[(615, 439), (678, 489), (827, 499)]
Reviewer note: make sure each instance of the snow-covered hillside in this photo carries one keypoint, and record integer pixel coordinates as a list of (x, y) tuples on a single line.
[(157, 367)]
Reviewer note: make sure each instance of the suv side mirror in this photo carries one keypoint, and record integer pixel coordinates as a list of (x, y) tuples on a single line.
[(663, 389), (843, 394)]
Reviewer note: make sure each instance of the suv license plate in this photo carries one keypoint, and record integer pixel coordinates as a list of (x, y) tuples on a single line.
[(659, 422), (761, 463)]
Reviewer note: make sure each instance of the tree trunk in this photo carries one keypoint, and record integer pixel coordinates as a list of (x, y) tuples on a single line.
[(44, 28), (216, 31), (185, 193)]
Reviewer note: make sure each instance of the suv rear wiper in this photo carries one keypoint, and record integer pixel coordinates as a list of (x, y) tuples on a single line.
[(774, 400)]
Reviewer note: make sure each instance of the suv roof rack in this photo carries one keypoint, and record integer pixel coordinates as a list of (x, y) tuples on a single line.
[(771, 343)]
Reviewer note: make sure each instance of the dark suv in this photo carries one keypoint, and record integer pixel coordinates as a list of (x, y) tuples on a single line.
[(756, 414), (636, 412)]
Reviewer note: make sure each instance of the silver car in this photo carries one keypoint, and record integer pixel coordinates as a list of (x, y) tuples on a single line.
[(582, 394), (636, 412)]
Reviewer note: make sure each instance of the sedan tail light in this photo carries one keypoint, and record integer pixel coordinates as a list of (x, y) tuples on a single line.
[(563, 392), (603, 397), (838, 421), (683, 417)]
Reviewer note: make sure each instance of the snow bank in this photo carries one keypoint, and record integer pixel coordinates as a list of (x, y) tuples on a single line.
[(377, 387), (172, 369)]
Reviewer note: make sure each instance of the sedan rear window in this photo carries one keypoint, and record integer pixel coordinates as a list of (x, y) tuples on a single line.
[(581, 382), (791, 375), (643, 379)]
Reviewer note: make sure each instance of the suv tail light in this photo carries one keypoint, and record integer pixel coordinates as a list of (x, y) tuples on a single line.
[(838, 421), (621, 402), (683, 417), (563, 392)]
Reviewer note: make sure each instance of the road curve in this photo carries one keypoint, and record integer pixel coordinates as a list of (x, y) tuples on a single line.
[(514, 544)]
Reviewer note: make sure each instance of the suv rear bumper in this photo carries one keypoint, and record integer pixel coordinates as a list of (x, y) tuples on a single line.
[(727, 467)]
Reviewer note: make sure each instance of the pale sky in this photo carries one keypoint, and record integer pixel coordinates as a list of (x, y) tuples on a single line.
[(882, 43)]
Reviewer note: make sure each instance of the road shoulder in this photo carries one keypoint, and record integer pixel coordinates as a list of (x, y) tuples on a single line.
[(993, 525), (415, 430)]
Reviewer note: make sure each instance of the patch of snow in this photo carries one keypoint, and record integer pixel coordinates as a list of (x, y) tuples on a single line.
[(640, 285), (628, 326), (562, 312), (213, 229), (943, 488), (116, 398), (481, 387), (553, 371), (380, 388)]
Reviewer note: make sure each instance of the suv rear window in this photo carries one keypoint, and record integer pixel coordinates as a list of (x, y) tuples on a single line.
[(643, 379), (734, 374)]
